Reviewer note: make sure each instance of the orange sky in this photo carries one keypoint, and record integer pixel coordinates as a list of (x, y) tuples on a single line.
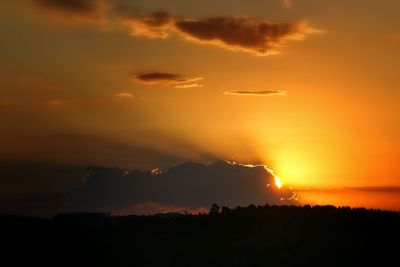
[(310, 88)]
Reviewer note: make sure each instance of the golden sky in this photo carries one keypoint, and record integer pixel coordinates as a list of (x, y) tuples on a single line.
[(310, 88)]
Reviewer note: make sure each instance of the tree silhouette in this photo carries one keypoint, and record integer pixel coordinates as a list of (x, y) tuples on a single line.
[(214, 210), (243, 236)]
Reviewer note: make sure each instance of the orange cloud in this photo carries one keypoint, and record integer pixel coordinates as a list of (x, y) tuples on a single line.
[(157, 25), (257, 93), (124, 95)]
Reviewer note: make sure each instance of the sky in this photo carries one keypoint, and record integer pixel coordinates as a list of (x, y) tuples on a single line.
[(309, 88)]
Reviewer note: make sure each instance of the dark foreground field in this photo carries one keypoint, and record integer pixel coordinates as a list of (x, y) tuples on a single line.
[(252, 236)]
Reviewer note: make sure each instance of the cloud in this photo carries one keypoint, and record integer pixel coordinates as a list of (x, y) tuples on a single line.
[(261, 37), (192, 85), (239, 33), (157, 25), (73, 9), (188, 186), (124, 95), (256, 93), (243, 33), (164, 78)]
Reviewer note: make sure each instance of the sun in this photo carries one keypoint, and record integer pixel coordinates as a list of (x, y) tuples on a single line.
[(278, 182)]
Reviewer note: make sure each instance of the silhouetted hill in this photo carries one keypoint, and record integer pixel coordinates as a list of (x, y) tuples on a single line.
[(251, 236)]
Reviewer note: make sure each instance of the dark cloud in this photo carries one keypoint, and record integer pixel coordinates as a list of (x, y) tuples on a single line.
[(163, 77), (29, 179), (188, 186), (243, 33), (257, 93), (261, 37), (86, 9)]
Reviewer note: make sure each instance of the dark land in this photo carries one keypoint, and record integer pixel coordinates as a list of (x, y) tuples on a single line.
[(250, 236)]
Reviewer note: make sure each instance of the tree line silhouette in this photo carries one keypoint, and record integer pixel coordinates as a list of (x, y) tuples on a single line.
[(243, 236)]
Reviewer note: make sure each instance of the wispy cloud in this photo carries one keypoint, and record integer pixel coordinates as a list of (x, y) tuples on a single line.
[(156, 25), (256, 93), (192, 85), (124, 95), (164, 78)]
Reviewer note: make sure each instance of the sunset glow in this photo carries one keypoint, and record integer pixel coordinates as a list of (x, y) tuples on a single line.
[(200, 132), (310, 89)]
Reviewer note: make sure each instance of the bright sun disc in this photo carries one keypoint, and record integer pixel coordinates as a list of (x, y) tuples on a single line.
[(278, 182)]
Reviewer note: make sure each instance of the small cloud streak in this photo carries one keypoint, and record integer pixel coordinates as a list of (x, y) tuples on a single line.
[(193, 85), (164, 78), (124, 95), (256, 93)]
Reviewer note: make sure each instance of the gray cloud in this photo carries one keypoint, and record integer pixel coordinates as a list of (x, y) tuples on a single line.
[(256, 93)]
